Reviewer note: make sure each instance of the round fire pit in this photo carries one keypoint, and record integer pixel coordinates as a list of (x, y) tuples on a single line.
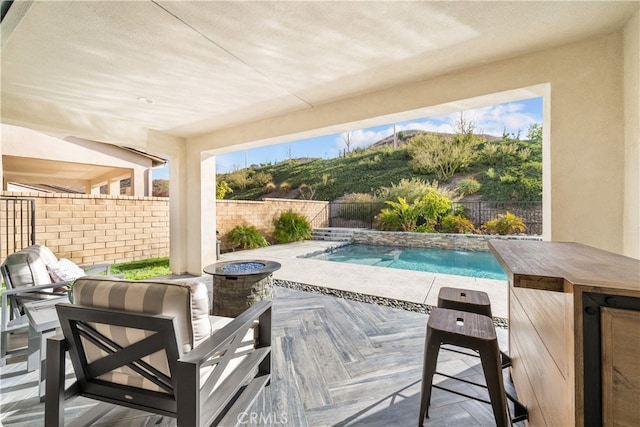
[(239, 284)]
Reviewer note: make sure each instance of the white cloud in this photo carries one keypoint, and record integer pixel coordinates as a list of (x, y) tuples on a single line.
[(494, 120)]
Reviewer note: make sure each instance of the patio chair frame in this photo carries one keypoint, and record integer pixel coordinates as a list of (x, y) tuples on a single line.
[(184, 397), (12, 319)]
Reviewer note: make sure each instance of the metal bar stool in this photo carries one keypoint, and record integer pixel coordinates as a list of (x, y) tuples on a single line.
[(478, 302), (472, 301), (472, 331)]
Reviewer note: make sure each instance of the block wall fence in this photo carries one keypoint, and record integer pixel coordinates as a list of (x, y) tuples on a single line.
[(260, 214), (90, 229)]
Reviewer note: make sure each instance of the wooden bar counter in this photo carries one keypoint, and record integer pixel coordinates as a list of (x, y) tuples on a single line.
[(574, 332)]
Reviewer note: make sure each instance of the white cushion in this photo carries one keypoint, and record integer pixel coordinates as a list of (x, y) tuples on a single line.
[(64, 270)]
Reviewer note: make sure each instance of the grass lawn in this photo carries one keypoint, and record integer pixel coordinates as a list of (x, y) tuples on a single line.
[(143, 269)]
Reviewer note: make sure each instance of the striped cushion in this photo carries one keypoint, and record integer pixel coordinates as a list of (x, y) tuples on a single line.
[(187, 301)]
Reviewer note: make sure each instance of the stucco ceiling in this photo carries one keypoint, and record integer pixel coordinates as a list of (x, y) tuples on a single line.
[(187, 68)]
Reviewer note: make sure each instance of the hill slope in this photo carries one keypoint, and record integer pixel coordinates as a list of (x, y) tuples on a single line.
[(503, 165)]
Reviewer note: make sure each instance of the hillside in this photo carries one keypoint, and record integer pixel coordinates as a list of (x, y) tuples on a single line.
[(509, 169)]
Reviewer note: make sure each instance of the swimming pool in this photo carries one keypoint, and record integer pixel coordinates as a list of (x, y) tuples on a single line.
[(445, 261)]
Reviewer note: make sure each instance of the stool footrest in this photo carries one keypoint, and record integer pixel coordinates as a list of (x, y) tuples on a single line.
[(461, 394), (521, 412), (504, 357)]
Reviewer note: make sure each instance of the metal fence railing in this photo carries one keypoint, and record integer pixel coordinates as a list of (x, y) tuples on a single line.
[(321, 219), (480, 212), (362, 214), (353, 215), (17, 225)]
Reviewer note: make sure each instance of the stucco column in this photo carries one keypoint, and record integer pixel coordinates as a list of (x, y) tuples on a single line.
[(193, 211), (4, 184), (114, 187)]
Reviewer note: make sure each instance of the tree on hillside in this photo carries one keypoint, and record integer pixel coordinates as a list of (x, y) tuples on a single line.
[(442, 155), (347, 138)]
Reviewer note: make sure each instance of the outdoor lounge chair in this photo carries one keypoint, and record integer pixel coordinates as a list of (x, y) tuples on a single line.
[(151, 345), (30, 274)]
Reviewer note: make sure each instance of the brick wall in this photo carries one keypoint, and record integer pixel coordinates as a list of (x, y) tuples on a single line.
[(90, 229), (260, 214)]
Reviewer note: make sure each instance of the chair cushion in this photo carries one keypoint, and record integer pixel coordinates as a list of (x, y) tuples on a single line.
[(28, 267), (186, 300)]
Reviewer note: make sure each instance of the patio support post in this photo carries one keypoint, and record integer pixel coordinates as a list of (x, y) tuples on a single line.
[(2, 181), (200, 213)]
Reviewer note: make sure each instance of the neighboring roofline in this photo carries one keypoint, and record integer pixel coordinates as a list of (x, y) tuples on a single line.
[(155, 160), (47, 188)]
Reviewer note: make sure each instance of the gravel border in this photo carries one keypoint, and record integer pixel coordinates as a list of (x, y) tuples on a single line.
[(499, 322)]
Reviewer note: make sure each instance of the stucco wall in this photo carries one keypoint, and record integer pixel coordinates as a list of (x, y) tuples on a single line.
[(631, 215), (260, 214), (590, 190), (91, 229)]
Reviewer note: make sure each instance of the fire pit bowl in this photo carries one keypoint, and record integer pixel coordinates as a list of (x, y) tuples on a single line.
[(239, 284)]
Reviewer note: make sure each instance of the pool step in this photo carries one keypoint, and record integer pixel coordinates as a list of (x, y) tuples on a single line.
[(333, 234)]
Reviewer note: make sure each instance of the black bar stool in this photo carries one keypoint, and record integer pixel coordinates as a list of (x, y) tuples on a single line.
[(467, 330)]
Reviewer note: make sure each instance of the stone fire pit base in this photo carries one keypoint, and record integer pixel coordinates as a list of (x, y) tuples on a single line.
[(234, 294)]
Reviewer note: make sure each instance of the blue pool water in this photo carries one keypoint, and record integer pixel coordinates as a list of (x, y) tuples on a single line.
[(458, 262)]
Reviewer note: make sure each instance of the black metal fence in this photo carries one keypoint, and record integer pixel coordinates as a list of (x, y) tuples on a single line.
[(480, 212), (17, 224), (362, 215)]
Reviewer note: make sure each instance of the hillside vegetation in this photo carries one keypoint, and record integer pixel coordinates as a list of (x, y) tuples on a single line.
[(474, 166)]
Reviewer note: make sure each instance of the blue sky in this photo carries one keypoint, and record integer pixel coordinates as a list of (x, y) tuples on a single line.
[(513, 118)]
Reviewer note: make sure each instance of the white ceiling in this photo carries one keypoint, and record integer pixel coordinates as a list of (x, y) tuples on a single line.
[(74, 67)]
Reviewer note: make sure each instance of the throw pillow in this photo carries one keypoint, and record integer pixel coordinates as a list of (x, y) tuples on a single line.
[(64, 270)]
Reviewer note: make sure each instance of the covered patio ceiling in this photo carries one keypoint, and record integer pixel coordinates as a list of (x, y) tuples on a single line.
[(126, 72), (192, 79)]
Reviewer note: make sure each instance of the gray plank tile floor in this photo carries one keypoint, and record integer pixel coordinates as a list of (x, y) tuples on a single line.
[(335, 363)]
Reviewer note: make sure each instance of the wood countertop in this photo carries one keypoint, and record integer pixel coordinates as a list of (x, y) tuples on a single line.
[(559, 266)]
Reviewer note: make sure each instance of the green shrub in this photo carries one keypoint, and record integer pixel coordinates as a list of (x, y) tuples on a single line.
[(247, 237), (412, 189), (268, 188), (504, 224), (468, 186), (403, 216), (284, 187), (290, 226), (260, 179), (442, 156), (456, 224), (387, 220), (222, 188), (400, 215), (513, 183), (239, 179)]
